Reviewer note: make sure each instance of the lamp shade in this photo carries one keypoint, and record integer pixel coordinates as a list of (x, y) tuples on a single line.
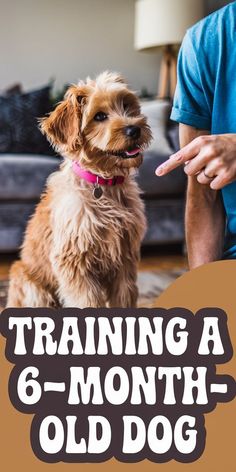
[(163, 22)]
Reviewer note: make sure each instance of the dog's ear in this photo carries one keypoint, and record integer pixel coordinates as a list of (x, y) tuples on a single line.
[(62, 126)]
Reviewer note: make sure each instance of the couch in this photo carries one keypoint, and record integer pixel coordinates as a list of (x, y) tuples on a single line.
[(23, 177)]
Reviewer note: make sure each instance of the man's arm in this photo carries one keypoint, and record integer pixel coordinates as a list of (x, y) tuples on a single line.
[(204, 219)]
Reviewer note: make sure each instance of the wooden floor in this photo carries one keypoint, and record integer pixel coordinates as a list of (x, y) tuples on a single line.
[(5, 263), (163, 262), (152, 259)]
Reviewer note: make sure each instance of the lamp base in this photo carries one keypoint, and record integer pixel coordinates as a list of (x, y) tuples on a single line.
[(168, 74)]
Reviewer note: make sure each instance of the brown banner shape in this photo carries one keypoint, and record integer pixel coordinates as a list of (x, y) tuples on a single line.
[(212, 285)]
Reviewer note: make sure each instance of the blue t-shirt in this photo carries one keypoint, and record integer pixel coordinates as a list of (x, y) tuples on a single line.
[(206, 90)]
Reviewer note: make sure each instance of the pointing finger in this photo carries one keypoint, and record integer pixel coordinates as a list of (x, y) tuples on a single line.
[(185, 154)]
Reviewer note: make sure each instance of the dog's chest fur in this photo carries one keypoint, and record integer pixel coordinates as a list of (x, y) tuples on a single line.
[(102, 233)]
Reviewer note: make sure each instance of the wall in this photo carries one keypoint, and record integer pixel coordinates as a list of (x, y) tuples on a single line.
[(69, 39)]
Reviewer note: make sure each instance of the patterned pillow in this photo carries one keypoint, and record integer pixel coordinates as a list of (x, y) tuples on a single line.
[(19, 131)]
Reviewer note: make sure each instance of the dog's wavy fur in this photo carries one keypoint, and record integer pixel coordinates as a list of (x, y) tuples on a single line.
[(79, 251)]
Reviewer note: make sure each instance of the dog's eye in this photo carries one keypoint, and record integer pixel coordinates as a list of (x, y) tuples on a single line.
[(100, 116)]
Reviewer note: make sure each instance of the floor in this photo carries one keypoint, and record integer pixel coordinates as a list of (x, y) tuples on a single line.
[(159, 267), (5, 263), (161, 259)]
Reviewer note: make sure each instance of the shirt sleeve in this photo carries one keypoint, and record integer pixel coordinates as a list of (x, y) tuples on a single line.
[(190, 105)]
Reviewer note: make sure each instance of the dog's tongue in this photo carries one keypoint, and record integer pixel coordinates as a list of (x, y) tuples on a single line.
[(133, 152)]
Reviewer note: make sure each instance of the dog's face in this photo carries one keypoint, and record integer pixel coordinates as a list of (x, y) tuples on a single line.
[(99, 124)]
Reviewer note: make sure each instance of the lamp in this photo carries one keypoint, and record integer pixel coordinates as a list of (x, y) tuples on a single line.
[(163, 23)]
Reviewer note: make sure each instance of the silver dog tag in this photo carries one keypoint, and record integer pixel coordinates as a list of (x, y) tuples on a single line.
[(97, 192)]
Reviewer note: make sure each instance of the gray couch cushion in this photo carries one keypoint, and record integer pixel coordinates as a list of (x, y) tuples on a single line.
[(165, 221), (173, 137), (13, 220), (22, 177), (153, 186), (157, 113)]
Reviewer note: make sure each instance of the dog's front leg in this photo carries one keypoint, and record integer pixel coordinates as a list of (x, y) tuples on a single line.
[(80, 292), (123, 290), (76, 286)]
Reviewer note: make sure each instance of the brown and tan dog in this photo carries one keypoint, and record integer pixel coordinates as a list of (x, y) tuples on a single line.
[(82, 244)]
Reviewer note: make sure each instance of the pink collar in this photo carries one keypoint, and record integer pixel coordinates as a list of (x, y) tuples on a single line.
[(96, 179)]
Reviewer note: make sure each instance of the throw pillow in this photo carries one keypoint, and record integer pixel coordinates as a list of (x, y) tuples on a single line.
[(19, 131)]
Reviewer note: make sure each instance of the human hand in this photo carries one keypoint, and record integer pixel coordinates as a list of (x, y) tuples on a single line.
[(212, 158)]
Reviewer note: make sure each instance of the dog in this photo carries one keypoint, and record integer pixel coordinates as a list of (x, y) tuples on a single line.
[(82, 245)]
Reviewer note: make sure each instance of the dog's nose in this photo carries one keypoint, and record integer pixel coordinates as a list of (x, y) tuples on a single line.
[(132, 131)]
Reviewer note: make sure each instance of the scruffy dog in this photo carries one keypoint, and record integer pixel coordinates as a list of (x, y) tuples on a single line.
[(82, 244)]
